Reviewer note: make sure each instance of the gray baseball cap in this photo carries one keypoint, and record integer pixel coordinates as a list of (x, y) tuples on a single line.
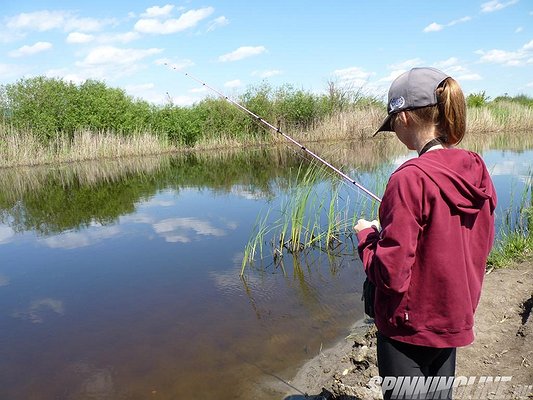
[(413, 89)]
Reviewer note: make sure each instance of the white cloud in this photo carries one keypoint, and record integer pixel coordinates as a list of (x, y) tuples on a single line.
[(233, 84), (519, 57), (10, 36), (495, 5), (267, 73), (217, 23), (105, 38), (241, 53), (393, 75), (47, 20), (37, 21), (448, 63), (79, 38), (148, 92), (407, 64), (140, 87), (124, 37), (435, 27), (519, 29), (156, 11), (453, 67), (66, 75), (175, 64), (115, 55), (459, 21), (186, 20), (353, 75), (184, 101), (31, 50), (202, 89), (469, 77), (85, 24), (528, 46)]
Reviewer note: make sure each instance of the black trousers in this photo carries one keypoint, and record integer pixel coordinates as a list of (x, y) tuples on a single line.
[(427, 369)]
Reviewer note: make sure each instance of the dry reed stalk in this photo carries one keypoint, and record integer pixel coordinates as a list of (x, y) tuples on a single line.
[(228, 143), (503, 116), (24, 149)]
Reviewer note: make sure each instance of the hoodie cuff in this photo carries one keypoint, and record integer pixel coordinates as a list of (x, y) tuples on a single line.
[(363, 234)]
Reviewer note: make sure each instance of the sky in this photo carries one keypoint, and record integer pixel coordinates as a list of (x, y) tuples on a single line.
[(144, 46)]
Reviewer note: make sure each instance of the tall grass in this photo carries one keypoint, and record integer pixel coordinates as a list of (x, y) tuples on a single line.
[(500, 116), (515, 239), (45, 120), (25, 149), (315, 215)]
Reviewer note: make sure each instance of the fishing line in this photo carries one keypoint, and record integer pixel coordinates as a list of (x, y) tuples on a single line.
[(287, 137)]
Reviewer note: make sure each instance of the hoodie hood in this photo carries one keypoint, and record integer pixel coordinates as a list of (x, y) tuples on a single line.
[(461, 176)]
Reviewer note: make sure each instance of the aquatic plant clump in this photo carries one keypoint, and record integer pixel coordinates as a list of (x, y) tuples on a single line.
[(515, 238), (317, 213)]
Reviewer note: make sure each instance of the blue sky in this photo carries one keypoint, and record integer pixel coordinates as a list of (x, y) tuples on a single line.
[(486, 45)]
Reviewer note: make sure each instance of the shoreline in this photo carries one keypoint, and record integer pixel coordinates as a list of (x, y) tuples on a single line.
[(345, 369), (503, 347)]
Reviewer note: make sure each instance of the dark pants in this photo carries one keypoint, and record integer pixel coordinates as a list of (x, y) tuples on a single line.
[(433, 368)]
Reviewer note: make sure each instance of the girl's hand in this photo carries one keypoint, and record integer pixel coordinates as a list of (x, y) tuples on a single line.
[(363, 224)]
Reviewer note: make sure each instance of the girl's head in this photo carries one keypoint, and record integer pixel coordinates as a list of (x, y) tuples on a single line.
[(431, 99)]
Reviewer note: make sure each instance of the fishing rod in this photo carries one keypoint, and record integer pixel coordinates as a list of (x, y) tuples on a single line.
[(278, 130)]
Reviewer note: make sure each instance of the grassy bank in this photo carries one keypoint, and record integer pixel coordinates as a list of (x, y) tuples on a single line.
[(45, 120), (515, 240)]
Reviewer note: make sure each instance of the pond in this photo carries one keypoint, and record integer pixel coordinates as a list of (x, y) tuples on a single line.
[(121, 279)]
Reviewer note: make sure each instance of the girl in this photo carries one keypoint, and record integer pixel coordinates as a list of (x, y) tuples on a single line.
[(437, 217)]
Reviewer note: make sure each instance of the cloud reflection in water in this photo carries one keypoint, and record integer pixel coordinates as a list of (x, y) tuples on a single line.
[(184, 230)]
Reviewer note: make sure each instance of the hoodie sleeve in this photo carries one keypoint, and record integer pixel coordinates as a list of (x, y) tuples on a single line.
[(389, 256)]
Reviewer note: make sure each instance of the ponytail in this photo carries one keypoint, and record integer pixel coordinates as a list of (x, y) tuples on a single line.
[(449, 115), (452, 111)]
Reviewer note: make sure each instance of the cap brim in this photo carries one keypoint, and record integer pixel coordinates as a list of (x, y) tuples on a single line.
[(385, 126)]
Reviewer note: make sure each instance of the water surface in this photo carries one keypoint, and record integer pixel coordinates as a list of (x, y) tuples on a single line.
[(120, 280)]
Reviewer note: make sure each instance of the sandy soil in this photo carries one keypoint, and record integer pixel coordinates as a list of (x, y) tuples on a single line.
[(503, 347)]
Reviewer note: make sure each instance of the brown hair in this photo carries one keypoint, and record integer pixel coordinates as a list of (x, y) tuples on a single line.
[(449, 115)]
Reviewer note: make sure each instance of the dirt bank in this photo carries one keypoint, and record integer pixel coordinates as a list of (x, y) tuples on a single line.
[(503, 346)]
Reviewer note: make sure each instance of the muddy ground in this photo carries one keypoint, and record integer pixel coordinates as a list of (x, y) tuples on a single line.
[(503, 347)]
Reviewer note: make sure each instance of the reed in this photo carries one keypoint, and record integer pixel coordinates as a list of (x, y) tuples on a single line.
[(515, 238), (254, 247), (24, 149), (49, 107), (316, 214), (500, 116)]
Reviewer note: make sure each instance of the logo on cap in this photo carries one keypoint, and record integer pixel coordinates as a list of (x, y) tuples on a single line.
[(396, 103)]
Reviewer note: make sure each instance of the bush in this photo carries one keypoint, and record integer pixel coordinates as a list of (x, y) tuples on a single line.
[(49, 106), (477, 99), (520, 99)]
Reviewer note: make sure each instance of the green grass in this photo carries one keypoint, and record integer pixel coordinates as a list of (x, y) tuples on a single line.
[(314, 215), (515, 241), (309, 220)]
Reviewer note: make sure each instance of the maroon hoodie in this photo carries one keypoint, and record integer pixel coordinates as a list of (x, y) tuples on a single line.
[(428, 261)]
